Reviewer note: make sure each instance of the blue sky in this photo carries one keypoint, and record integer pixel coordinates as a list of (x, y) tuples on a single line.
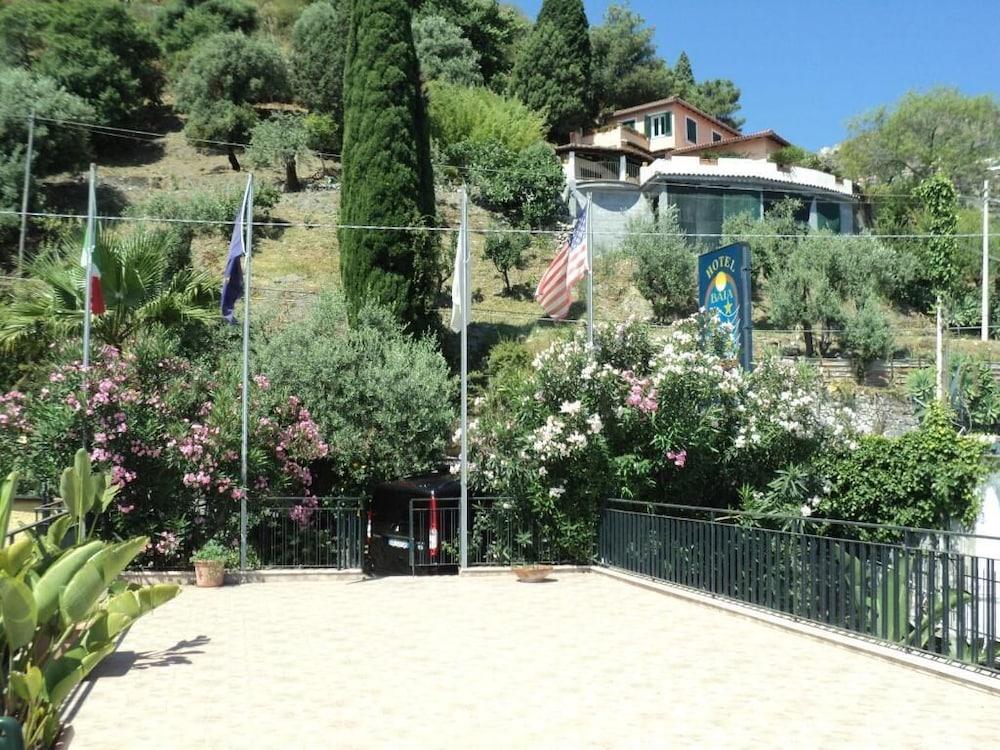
[(805, 67)]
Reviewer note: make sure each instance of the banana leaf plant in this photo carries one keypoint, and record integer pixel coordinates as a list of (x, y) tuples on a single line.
[(63, 603)]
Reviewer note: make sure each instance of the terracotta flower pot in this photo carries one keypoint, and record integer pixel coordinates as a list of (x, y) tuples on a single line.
[(532, 573), (209, 573)]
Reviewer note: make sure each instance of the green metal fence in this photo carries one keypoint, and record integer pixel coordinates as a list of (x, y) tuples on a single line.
[(498, 534), (923, 590), (298, 532)]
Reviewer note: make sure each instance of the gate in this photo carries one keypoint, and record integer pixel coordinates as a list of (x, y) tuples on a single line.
[(300, 532)]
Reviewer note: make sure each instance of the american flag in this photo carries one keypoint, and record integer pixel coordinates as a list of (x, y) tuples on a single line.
[(554, 291)]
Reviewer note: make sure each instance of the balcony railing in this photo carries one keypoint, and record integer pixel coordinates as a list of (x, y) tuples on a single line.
[(607, 169)]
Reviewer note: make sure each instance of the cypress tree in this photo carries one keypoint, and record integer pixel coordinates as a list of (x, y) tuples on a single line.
[(387, 178), (683, 78), (552, 72)]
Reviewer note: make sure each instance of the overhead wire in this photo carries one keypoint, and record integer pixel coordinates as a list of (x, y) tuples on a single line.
[(147, 135), (478, 230)]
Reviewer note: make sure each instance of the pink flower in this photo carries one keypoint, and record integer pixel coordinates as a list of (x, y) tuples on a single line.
[(126, 508), (679, 457)]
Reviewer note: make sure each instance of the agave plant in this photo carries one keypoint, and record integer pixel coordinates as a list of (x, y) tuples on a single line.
[(62, 602), (137, 280)]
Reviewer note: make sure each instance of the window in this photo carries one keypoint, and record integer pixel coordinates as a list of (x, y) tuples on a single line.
[(716, 136), (660, 125), (629, 124), (692, 130)]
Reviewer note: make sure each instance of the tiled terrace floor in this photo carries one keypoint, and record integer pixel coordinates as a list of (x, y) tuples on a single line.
[(485, 662)]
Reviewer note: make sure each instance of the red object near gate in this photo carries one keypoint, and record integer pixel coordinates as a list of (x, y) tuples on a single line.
[(432, 540)]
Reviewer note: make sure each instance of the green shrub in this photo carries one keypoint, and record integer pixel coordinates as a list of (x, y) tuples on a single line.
[(972, 390), (927, 478), (524, 186), (444, 54), (215, 551), (319, 48), (506, 252), (322, 133), (180, 24), (459, 114), (383, 399), (664, 265), (279, 141), (98, 52), (868, 336), (209, 206)]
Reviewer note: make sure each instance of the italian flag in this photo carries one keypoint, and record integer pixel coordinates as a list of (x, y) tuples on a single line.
[(88, 260)]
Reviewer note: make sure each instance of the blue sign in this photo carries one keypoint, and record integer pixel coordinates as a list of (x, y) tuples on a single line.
[(724, 288)]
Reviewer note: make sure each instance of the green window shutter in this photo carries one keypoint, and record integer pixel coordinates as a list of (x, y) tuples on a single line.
[(670, 124), (647, 126)]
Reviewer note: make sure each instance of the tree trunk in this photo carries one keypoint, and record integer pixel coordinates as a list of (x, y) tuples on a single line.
[(292, 184), (807, 336), (506, 283), (233, 161)]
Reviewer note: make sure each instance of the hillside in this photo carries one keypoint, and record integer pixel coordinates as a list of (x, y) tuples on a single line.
[(293, 264)]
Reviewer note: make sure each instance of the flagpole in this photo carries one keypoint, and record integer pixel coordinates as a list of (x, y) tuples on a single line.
[(590, 269), (248, 244), (463, 521), (90, 237)]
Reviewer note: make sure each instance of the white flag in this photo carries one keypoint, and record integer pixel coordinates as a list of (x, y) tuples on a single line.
[(457, 290)]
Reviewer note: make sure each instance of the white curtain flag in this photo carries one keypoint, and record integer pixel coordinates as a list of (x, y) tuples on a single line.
[(457, 293)]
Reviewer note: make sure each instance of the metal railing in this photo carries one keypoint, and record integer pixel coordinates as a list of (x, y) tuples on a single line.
[(498, 534), (919, 591), (608, 170), (290, 532)]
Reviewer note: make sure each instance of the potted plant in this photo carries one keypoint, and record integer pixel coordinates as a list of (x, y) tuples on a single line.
[(529, 570), (210, 564)]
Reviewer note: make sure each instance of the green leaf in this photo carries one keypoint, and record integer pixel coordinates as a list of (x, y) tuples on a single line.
[(27, 686), (106, 491), (91, 581), (58, 575), (105, 629), (20, 614), (7, 491), (57, 531), (66, 672), (15, 558), (85, 479), (70, 494), (151, 597)]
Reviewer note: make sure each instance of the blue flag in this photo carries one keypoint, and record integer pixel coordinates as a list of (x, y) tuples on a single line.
[(232, 274)]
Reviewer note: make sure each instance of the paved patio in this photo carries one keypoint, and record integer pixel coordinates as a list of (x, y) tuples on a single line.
[(584, 662)]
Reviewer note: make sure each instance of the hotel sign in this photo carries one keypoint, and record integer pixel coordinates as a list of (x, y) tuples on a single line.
[(724, 289)]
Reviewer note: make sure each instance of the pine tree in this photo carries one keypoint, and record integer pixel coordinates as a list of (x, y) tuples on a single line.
[(684, 84), (552, 72), (387, 178)]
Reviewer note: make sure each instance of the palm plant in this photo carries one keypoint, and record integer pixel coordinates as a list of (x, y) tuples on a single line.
[(140, 288)]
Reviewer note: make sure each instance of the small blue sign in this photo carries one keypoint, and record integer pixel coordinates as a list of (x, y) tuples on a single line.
[(724, 288)]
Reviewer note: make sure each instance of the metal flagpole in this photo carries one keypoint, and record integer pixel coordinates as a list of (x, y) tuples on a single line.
[(248, 250), (590, 269), (985, 333), (24, 195), (90, 239), (463, 518)]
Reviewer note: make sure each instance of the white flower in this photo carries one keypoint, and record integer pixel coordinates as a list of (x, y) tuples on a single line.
[(542, 471), (570, 407), (557, 491), (455, 468), (814, 501), (577, 439), (806, 510), (595, 423)]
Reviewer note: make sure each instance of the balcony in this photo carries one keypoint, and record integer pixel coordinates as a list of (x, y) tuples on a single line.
[(611, 168)]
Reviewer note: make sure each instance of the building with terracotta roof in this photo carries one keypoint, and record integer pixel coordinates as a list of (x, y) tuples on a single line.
[(669, 152)]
